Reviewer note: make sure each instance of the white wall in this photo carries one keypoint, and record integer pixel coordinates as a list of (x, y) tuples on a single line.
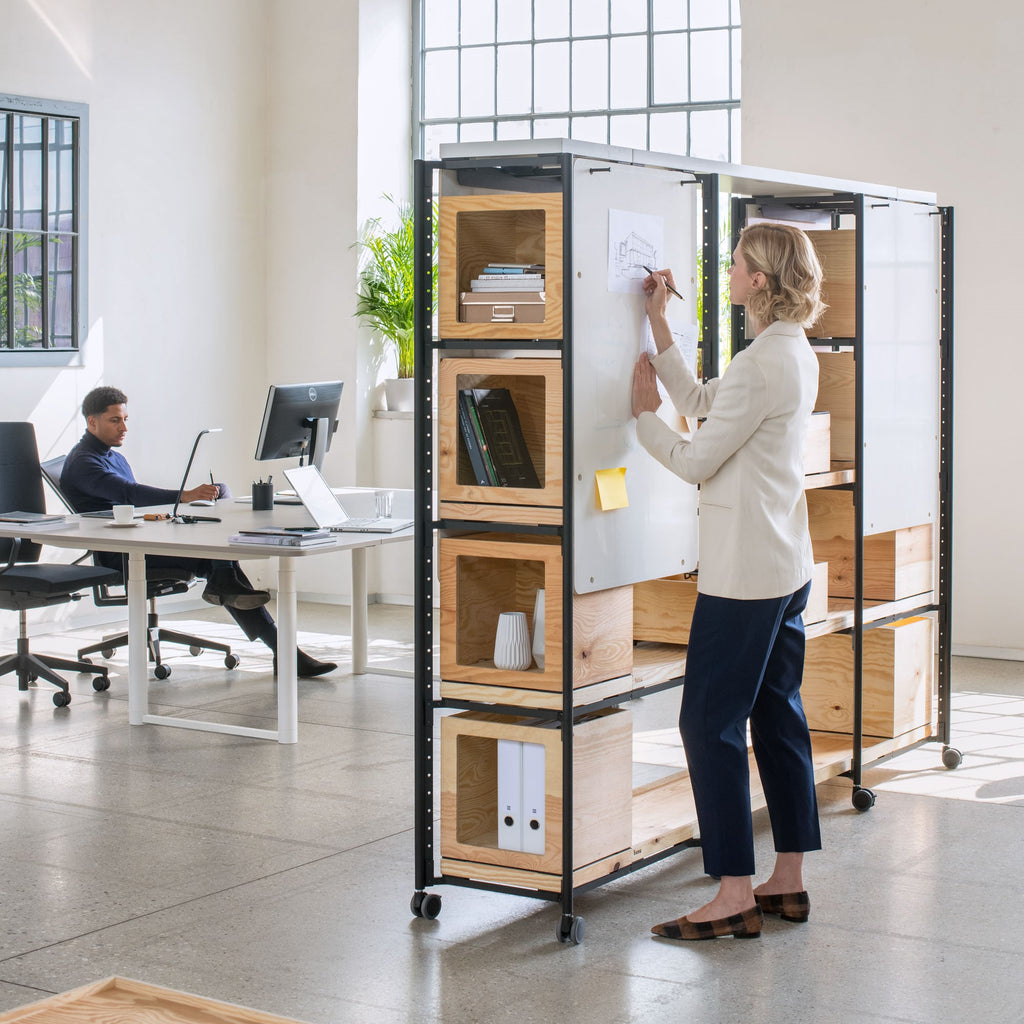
[(924, 95), (226, 190)]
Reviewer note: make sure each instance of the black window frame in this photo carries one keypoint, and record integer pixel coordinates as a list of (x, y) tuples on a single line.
[(70, 353)]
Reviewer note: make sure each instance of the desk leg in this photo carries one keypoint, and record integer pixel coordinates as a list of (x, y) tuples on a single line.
[(138, 651), (287, 680), (360, 627)]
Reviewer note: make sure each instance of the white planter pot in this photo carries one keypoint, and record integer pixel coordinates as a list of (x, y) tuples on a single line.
[(400, 394)]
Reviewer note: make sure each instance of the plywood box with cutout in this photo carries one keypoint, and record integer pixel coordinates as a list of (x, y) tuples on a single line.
[(602, 788), (898, 672), (837, 396), (837, 252), (504, 228), (483, 575)]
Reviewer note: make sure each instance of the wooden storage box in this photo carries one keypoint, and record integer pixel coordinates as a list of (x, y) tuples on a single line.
[(897, 564), (898, 674), (502, 307), (818, 447), (602, 788), (837, 251), (483, 575), (474, 230), (663, 609), (837, 396), (817, 601), (536, 389)]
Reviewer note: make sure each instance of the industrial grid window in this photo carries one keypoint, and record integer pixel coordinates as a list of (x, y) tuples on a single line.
[(661, 75), (41, 218)]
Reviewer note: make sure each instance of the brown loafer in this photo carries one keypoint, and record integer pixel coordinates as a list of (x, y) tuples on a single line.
[(790, 906), (742, 926)]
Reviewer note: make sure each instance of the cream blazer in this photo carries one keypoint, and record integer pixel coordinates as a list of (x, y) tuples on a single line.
[(748, 457)]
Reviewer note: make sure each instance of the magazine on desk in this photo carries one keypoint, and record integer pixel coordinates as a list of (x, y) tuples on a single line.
[(284, 536)]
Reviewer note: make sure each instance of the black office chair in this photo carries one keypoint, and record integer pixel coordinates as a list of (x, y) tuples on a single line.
[(27, 583), (160, 582)]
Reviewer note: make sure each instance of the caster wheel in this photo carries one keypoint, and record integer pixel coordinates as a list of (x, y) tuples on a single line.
[(425, 904), (230, 660), (108, 652), (85, 661), (101, 683), (951, 757), (162, 671), (573, 934), (195, 651), (61, 699), (863, 799), (32, 677)]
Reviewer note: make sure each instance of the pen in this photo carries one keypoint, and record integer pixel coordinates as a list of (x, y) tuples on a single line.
[(667, 285)]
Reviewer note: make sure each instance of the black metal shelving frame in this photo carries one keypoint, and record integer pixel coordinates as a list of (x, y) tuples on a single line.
[(523, 173)]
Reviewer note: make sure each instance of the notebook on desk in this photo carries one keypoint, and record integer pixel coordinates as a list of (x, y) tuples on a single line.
[(327, 510)]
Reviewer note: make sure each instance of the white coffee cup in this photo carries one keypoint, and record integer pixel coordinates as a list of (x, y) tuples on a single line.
[(124, 514)]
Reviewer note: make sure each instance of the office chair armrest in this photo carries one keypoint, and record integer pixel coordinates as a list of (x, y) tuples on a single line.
[(12, 558)]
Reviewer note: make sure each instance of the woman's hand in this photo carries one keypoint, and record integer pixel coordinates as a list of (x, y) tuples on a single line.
[(645, 387), (656, 288)]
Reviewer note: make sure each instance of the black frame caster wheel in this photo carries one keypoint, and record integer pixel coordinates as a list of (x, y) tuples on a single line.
[(108, 652), (231, 660), (162, 671), (863, 799), (573, 933), (425, 904), (951, 757), (85, 661), (101, 683), (61, 699), (195, 651), (32, 677)]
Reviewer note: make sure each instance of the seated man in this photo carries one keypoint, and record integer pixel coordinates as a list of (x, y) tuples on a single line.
[(95, 478)]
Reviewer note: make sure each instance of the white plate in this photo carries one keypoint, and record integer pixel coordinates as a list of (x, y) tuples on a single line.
[(122, 525)]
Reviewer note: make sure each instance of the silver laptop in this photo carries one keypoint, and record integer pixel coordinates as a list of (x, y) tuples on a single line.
[(328, 512)]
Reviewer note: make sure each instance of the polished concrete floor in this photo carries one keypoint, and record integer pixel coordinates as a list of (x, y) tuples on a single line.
[(279, 877)]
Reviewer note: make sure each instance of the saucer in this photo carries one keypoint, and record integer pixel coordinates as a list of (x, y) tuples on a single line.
[(122, 525)]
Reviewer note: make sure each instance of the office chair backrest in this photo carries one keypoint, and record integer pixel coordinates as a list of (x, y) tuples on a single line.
[(21, 482), (52, 469)]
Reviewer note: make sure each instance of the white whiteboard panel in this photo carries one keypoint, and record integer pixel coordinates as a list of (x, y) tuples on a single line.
[(901, 365), (657, 534)]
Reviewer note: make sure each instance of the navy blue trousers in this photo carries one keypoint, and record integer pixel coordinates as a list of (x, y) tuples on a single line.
[(745, 662)]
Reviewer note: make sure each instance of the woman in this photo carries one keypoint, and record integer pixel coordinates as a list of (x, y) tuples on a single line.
[(745, 657)]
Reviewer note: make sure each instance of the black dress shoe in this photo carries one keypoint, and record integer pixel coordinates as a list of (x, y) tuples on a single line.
[(225, 589), (307, 666)]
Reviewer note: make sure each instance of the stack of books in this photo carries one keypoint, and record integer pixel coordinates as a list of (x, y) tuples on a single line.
[(37, 520), (510, 277), (493, 436), (284, 536)]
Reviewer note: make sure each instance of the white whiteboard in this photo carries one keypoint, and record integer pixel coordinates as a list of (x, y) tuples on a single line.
[(656, 535)]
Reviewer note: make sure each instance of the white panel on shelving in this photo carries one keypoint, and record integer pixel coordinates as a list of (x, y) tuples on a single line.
[(901, 365), (656, 535)]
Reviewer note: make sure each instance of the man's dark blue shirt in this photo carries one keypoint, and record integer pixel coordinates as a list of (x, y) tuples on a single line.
[(96, 477)]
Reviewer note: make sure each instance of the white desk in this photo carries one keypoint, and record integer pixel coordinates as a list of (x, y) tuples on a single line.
[(209, 540)]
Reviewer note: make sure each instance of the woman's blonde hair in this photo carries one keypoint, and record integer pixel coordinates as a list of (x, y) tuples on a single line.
[(787, 259)]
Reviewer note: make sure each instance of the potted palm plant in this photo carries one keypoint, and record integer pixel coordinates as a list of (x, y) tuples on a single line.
[(385, 299)]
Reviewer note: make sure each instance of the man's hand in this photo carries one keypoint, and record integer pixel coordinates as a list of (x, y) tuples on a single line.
[(645, 387), (204, 492)]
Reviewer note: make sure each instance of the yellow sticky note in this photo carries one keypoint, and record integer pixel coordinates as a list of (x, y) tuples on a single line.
[(611, 488)]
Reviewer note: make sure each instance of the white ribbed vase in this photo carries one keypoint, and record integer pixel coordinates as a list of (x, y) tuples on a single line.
[(512, 643)]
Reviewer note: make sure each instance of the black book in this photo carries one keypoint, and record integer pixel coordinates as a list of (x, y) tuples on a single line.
[(503, 434), (468, 428)]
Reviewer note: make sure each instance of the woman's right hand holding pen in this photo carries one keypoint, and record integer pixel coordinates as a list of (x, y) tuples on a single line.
[(657, 286)]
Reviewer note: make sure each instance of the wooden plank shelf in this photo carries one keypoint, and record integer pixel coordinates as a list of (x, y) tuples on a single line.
[(840, 473), (840, 612)]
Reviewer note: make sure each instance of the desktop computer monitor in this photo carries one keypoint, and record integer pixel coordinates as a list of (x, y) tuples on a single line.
[(299, 421)]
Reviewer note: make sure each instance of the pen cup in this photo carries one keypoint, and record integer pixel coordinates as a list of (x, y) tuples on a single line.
[(262, 497)]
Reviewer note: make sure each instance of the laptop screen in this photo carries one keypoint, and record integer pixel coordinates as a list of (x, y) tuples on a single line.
[(320, 501)]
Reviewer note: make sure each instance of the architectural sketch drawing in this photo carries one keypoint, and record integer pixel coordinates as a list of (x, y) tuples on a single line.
[(635, 241)]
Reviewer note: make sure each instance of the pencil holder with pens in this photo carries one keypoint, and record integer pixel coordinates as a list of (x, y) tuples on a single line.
[(262, 496)]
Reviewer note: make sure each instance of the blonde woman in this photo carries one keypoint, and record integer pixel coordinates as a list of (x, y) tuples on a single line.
[(745, 658)]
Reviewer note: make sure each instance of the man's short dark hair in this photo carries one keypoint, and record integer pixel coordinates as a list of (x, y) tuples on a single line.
[(100, 399)]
